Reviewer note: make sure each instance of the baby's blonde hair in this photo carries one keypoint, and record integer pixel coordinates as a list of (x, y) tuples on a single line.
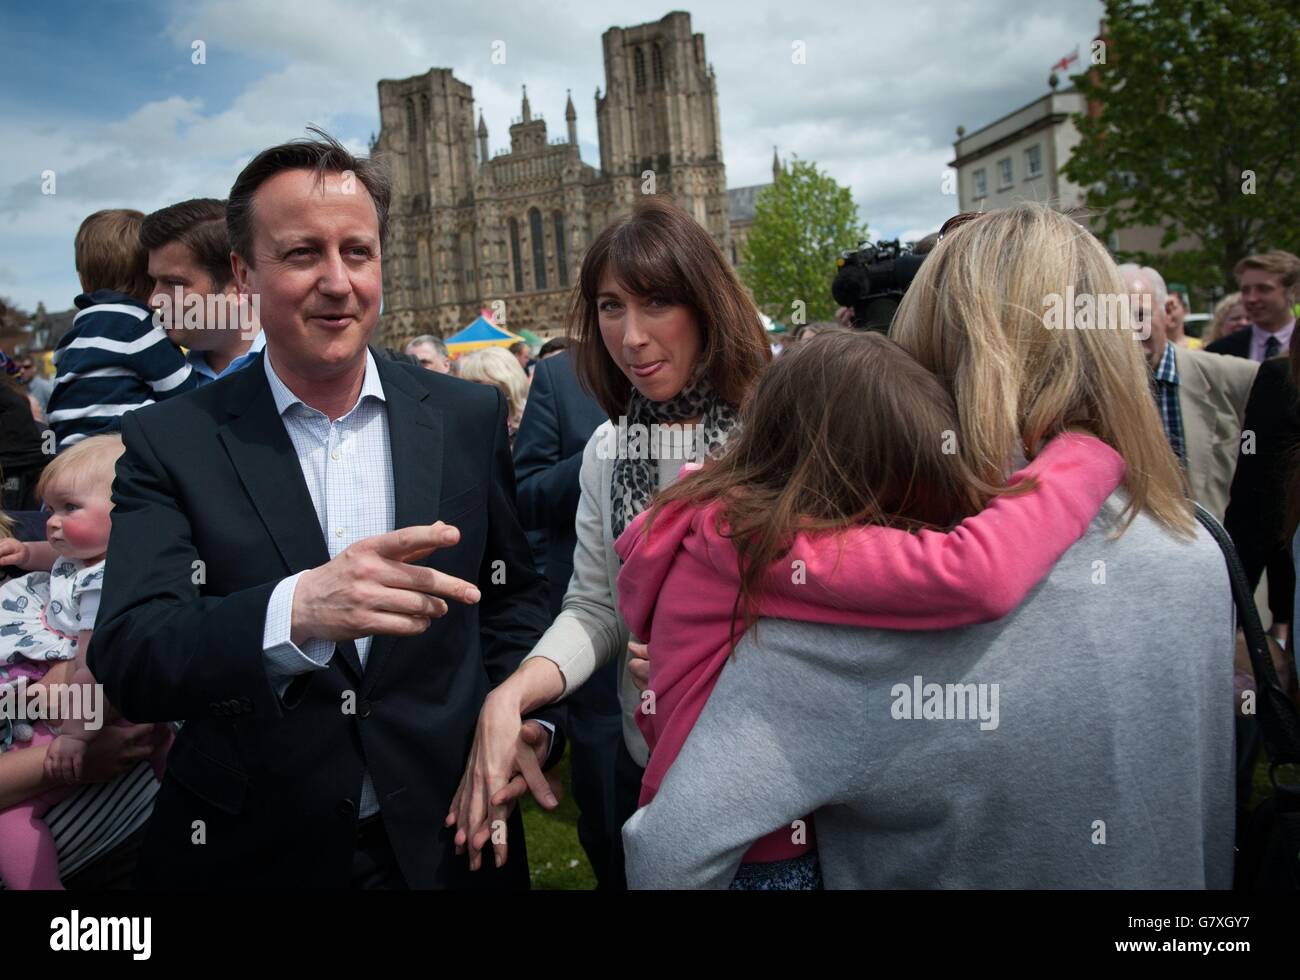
[(85, 466)]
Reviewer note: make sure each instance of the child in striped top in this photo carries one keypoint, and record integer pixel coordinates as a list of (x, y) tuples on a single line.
[(116, 357)]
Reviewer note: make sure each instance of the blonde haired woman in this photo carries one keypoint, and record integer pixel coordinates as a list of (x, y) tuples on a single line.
[(1085, 740), (1229, 317), (496, 366)]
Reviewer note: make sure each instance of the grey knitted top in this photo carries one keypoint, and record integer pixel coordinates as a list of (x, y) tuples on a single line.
[(1084, 741)]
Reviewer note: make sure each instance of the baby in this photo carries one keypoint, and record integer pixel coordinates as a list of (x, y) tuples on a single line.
[(46, 618)]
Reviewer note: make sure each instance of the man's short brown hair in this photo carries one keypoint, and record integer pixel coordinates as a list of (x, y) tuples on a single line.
[(199, 225), (1284, 265), (323, 155), (109, 254)]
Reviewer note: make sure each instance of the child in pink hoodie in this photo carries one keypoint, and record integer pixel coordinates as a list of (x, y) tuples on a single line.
[(817, 515)]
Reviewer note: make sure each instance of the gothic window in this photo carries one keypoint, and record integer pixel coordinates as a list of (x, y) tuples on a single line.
[(410, 118), (539, 248), (514, 254), (657, 65), (638, 60), (560, 263)]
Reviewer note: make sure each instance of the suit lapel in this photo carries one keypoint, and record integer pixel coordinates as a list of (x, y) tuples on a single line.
[(267, 464), (416, 440)]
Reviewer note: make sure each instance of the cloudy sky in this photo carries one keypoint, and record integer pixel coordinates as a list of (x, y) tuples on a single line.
[(106, 94)]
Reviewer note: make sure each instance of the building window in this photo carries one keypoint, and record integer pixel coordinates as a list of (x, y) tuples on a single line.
[(561, 262), (514, 254), (638, 61), (1033, 161), (410, 118), (657, 65), (539, 248), (1005, 175), (981, 183), (424, 107)]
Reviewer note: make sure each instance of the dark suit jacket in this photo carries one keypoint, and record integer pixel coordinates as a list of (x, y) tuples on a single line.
[(1256, 516), (211, 512), (558, 420), (1236, 343)]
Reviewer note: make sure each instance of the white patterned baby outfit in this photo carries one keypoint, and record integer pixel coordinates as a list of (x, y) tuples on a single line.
[(41, 613)]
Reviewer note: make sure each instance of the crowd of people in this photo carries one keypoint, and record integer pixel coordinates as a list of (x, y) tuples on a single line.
[(924, 609)]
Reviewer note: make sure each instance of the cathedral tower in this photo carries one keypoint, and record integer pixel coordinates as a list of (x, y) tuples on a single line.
[(659, 115)]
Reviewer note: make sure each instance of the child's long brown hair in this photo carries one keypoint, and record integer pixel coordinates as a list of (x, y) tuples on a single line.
[(846, 429)]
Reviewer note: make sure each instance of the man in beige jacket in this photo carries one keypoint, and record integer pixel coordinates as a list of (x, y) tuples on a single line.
[(1201, 396)]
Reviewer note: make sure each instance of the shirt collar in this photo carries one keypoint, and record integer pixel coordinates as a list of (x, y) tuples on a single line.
[(1283, 336), (199, 360), (286, 399), (1167, 369)]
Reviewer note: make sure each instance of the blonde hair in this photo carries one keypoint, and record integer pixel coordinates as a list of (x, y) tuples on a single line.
[(109, 254), (496, 366), (974, 316), (85, 466), (1220, 318)]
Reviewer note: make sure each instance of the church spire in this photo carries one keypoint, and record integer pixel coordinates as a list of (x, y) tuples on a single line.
[(528, 113), (571, 117), (482, 139), (776, 165)]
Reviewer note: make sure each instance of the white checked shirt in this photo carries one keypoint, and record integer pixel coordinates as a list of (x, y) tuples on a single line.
[(348, 466)]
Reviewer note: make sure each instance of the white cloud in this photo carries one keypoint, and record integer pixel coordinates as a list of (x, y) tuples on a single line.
[(875, 104)]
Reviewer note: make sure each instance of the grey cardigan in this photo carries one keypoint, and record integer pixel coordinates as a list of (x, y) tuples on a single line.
[(1097, 754), (589, 631)]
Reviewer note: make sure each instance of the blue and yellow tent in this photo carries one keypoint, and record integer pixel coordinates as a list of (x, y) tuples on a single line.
[(479, 334)]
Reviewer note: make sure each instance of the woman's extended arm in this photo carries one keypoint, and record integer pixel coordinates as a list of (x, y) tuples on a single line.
[(588, 632), (114, 752)]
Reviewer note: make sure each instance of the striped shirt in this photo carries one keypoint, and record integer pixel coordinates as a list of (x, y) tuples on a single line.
[(1164, 385), (113, 360), (96, 818)]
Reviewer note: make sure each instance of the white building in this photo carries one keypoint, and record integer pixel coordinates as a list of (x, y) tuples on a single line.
[(1019, 158)]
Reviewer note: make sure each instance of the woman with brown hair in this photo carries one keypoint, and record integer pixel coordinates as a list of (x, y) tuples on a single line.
[(668, 342), (1083, 741)]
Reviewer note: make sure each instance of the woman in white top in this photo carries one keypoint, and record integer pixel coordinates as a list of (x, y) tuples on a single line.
[(668, 342)]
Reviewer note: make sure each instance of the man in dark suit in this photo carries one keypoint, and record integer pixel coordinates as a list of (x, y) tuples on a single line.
[(558, 420), (293, 568), (1270, 286)]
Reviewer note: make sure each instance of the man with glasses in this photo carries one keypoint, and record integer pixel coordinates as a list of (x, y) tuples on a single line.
[(39, 387)]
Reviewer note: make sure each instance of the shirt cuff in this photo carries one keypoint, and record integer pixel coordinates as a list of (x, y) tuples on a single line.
[(284, 659), (550, 745)]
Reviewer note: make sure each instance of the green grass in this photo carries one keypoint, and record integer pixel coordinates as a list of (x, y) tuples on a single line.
[(555, 858)]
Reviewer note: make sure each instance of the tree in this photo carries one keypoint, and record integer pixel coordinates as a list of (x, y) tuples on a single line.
[(11, 317), (802, 222), (1192, 126)]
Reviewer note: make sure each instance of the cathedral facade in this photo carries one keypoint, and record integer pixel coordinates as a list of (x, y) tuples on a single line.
[(471, 231)]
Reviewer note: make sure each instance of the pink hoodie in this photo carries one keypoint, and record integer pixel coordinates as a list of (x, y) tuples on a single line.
[(684, 579)]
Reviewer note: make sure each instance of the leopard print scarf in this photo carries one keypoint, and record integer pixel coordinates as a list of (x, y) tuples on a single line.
[(635, 476)]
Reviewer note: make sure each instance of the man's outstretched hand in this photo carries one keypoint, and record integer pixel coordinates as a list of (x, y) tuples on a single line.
[(369, 588)]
